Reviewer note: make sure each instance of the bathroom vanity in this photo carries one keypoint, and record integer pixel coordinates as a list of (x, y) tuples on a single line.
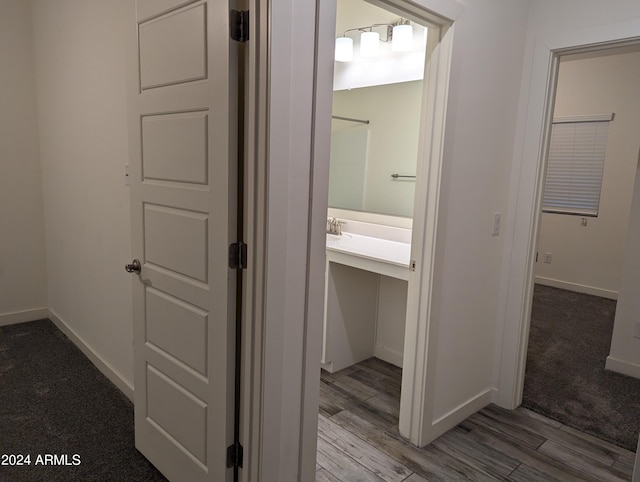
[(367, 270)]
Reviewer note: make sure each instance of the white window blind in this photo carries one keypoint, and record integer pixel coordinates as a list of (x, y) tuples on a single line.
[(577, 151)]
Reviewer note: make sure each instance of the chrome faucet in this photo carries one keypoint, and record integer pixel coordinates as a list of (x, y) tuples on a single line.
[(334, 226)]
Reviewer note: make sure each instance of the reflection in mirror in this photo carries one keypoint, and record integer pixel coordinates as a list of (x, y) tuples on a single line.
[(376, 108), (348, 168)]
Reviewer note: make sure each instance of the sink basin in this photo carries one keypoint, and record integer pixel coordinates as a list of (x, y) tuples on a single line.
[(376, 249)]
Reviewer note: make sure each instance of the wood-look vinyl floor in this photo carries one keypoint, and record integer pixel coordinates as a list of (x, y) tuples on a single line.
[(358, 440)]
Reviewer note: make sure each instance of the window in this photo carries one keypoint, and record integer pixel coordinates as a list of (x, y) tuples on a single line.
[(577, 151)]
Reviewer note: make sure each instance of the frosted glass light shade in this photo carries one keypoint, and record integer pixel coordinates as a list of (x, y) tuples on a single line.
[(402, 40), (369, 44), (344, 49)]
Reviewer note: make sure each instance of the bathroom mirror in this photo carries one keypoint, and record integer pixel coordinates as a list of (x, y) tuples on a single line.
[(376, 115)]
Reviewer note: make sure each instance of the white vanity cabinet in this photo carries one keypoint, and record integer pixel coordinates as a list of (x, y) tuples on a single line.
[(365, 300)]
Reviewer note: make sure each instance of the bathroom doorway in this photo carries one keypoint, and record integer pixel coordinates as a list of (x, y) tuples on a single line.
[(372, 176), (413, 227), (375, 127)]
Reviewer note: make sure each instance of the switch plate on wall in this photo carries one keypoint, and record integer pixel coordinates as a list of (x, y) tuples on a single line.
[(547, 258), (495, 230)]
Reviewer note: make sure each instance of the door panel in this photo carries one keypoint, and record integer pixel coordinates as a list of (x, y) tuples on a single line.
[(173, 48), (152, 8), (176, 239), (183, 216), (165, 398), (177, 328), (170, 136)]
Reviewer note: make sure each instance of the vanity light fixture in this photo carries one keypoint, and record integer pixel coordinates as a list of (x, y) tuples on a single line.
[(344, 49), (369, 44), (400, 34), (402, 37)]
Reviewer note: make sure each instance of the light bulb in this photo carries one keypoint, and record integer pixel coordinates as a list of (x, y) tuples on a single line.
[(344, 49), (402, 40), (369, 44)]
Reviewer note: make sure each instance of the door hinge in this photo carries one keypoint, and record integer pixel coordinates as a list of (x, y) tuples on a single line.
[(239, 25), (235, 453), (238, 255)]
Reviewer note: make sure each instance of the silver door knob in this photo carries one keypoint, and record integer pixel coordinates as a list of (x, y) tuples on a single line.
[(133, 267)]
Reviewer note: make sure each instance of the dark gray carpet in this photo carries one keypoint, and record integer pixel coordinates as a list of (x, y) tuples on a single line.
[(53, 401), (565, 377)]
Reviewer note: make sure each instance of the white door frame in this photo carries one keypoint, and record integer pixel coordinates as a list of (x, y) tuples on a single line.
[(420, 343), (534, 121), (279, 319), (287, 179)]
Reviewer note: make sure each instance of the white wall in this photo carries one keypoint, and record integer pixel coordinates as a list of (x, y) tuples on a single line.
[(480, 128), (589, 259), (23, 294), (624, 356), (556, 17), (82, 93), (392, 315), (394, 114)]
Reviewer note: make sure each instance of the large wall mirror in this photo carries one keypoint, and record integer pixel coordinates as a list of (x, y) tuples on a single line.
[(376, 110)]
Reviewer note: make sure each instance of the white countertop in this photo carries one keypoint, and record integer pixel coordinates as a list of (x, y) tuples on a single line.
[(390, 258)]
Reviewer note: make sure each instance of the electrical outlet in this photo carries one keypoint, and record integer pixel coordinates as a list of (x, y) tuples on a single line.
[(636, 332), (547, 258), (495, 230)]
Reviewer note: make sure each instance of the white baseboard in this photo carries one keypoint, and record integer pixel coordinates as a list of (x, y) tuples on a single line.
[(565, 285), (107, 370), (388, 355), (327, 366), (23, 316), (636, 466), (461, 412), (621, 366)]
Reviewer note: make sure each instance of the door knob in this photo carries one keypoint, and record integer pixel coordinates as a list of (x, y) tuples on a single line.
[(133, 267)]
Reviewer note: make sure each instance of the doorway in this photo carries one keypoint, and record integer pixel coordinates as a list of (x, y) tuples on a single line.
[(375, 132), (528, 177), (417, 375), (584, 223)]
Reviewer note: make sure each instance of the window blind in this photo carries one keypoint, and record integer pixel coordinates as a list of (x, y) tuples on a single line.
[(575, 165)]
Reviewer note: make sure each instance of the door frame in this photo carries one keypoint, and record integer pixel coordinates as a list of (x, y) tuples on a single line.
[(288, 128), (526, 186), (278, 318)]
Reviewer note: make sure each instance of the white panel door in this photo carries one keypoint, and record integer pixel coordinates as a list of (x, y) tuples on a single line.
[(183, 219)]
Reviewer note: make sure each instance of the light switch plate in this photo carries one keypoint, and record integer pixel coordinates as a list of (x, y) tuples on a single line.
[(495, 231)]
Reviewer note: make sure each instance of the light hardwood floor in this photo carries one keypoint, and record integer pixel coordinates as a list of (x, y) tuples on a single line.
[(358, 440)]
